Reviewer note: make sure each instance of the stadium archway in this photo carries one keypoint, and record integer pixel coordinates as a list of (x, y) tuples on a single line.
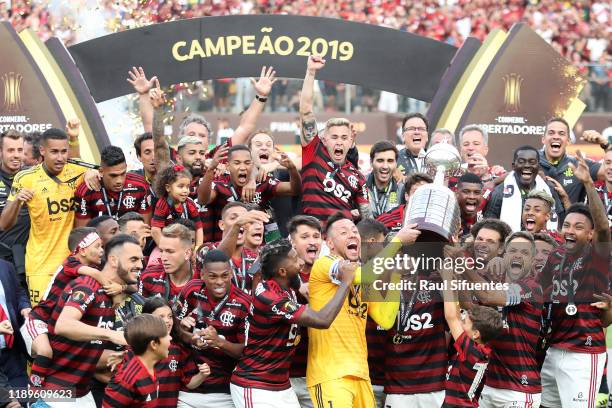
[(238, 46)]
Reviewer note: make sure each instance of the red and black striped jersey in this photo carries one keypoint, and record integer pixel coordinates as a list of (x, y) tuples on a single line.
[(74, 362), (226, 192), (513, 364), (154, 281), (169, 374), (207, 215), (589, 270), (376, 338), (328, 187), (67, 272), (300, 357), (465, 377), (132, 386), (228, 317), (271, 338), (211, 215), (416, 356), (393, 219), (468, 221), (606, 198), (164, 214), (240, 266), (193, 194), (135, 196)]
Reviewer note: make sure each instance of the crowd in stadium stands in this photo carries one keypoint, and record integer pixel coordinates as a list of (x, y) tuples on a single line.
[(579, 30)]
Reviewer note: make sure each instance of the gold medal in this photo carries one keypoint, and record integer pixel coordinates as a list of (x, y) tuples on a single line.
[(398, 339)]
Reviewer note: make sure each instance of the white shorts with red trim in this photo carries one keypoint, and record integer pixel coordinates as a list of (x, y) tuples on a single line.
[(571, 380), (31, 329), (501, 398), (257, 398)]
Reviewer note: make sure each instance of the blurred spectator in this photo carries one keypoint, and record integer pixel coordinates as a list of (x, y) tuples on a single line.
[(579, 30)]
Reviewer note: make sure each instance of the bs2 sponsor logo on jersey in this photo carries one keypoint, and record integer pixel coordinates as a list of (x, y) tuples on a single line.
[(62, 206), (331, 186)]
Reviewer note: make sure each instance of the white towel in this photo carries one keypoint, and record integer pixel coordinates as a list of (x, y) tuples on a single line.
[(512, 204)]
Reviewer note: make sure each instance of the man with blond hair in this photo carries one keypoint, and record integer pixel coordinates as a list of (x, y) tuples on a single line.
[(330, 182)]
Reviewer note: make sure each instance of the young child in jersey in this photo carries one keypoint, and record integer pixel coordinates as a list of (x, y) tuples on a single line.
[(170, 370), (86, 255), (136, 384), (471, 330), (172, 188)]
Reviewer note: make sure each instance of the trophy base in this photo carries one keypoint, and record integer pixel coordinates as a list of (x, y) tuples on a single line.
[(431, 233)]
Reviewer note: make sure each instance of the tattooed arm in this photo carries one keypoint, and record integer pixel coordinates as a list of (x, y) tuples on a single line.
[(162, 150), (365, 211), (307, 118)]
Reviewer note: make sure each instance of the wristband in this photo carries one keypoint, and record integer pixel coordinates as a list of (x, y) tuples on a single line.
[(261, 99), (74, 142)]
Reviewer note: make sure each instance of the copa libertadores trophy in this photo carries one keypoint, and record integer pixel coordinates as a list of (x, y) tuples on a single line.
[(433, 207)]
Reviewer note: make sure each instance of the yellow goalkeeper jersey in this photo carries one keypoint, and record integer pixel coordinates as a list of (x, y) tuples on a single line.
[(52, 216), (341, 350)]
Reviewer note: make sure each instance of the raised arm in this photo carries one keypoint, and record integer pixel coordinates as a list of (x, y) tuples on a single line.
[(206, 194), (248, 120), (307, 118), (142, 85), (596, 206), (13, 205), (69, 325), (162, 150), (73, 127), (323, 318), (292, 187), (604, 301), (452, 314), (230, 240)]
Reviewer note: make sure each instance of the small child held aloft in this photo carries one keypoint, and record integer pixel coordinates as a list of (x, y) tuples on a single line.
[(172, 188)]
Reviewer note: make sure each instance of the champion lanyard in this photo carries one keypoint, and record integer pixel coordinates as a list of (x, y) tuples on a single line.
[(607, 202), (239, 273), (405, 311), (107, 203), (380, 206), (410, 158), (215, 311), (234, 193), (570, 288), (167, 284)]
